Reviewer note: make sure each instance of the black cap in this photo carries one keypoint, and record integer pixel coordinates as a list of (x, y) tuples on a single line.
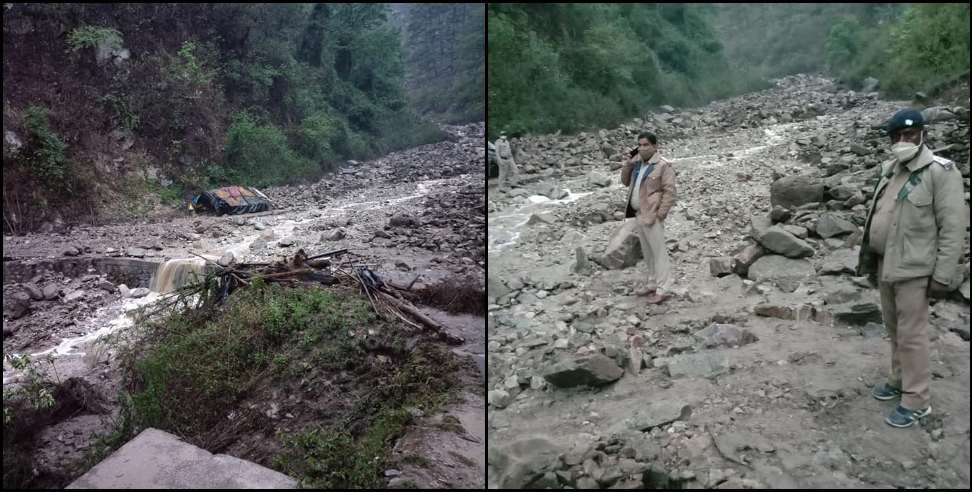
[(906, 118)]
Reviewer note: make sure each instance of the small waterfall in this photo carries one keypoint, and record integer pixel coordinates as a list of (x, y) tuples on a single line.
[(175, 273)]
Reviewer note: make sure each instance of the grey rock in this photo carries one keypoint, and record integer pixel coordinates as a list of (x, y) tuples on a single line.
[(51, 292), (226, 260), (581, 265), (139, 292), (34, 292), (593, 370), (798, 231), (135, 252), (258, 244), (779, 214), (843, 191), (335, 235), (624, 249), (841, 295), (778, 240), (602, 181), (720, 267), (840, 261), (553, 192), (15, 308), (759, 224), (541, 219), (259, 226), (718, 334), (793, 191), (744, 259), (495, 289), (71, 251), (524, 462), (401, 220), (499, 398), (657, 413), (829, 225), (285, 242), (702, 364), (769, 310), (382, 234), (730, 444), (74, 296), (784, 272)]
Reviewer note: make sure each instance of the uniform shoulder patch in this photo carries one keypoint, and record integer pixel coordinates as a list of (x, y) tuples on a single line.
[(941, 161)]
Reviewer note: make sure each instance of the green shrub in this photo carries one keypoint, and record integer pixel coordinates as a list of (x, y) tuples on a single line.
[(92, 36), (45, 156), (260, 156)]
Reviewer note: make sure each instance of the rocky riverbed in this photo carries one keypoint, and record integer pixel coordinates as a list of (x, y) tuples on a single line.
[(757, 373)]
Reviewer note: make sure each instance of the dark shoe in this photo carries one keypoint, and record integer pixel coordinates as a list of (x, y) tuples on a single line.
[(902, 417), (885, 391)]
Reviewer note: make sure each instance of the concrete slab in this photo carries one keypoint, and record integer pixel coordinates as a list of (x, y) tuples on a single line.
[(155, 459)]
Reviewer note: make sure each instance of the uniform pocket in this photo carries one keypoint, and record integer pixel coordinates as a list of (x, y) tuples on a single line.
[(917, 214), (919, 251), (920, 197)]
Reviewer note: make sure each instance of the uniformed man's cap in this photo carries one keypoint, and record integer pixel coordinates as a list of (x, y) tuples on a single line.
[(906, 118)]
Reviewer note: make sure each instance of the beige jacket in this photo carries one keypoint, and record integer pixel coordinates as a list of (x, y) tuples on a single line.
[(657, 193), (927, 232)]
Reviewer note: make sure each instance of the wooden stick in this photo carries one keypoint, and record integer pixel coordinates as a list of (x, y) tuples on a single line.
[(329, 253), (425, 320)]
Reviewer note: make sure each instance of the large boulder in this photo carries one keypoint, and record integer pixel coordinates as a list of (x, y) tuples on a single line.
[(780, 241), (793, 191), (624, 249), (592, 370), (784, 272)]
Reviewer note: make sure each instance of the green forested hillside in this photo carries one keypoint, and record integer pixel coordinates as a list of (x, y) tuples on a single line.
[(104, 102), (567, 67)]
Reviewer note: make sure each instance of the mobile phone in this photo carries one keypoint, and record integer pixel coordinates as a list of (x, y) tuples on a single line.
[(633, 152)]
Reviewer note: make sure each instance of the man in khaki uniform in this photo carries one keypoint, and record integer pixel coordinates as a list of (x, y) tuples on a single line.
[(649, 200), (913, 241), (504, 156)]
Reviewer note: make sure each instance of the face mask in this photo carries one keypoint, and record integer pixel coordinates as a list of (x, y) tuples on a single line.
[(905, 151)]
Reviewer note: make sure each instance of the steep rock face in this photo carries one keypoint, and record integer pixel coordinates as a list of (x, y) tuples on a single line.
[(443, 53)]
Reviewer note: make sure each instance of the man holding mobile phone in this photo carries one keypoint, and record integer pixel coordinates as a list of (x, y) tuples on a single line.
[(651, 196)]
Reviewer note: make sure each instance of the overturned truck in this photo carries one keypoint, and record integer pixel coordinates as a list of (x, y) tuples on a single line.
[(232, 200)]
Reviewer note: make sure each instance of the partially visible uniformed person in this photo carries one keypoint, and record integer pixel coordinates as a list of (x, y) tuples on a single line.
[(913, 240)]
